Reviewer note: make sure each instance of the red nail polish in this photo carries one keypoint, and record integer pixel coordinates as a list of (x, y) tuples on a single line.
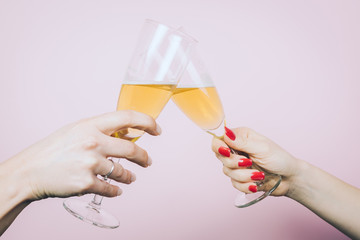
[(258, 176), (253, 188), (245, 162), (230, 134), (224, 151)]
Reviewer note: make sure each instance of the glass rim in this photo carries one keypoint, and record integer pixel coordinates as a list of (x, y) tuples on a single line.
[(175, 30)]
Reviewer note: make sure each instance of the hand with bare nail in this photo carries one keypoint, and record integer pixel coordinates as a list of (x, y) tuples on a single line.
[(69, 161)]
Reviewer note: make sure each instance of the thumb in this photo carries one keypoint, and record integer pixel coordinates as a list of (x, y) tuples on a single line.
[(246, 140), (112, 122)]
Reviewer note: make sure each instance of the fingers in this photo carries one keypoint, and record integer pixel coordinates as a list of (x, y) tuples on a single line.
[(237, 167), (244, 175), (103, 188), (246, 140), (229, 159), (118, 173), (120, 148), (244, 180), (245, 187), (110, 123)]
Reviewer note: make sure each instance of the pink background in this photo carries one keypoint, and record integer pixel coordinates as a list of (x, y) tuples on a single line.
[(288, 69)]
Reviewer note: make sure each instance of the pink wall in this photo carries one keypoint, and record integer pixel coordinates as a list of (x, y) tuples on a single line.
[(289, 70)]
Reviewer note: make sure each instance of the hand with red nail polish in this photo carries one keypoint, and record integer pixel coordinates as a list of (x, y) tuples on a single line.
[(265, 153), (319, 191), (245, 162), (258, 176), (224, 151), (230, 134), (253, 188)]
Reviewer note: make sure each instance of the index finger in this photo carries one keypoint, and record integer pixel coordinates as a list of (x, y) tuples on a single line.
[(228, 157), (246, 140), (110, 123)]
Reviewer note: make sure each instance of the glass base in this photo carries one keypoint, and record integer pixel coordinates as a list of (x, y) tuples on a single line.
[(245, 200), (91, 214)]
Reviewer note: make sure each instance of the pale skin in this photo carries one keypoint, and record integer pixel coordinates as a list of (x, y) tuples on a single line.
[(333, 200), (69, 161)]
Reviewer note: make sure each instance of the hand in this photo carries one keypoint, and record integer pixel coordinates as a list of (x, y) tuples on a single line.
[(261, 150), (67, 162)]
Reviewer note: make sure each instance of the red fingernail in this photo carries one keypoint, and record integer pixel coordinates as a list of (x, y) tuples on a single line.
[(253, 188), (258, 176), (245, 162), (230, 134), (224, 151)]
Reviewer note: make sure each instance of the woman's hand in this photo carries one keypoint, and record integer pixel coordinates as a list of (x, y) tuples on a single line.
[(327, 196), (261, 150), (67, 162)]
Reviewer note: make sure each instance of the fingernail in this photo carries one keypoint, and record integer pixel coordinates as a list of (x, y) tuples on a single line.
[(245, 162), (149, 161), (258, 176), (224, 151), (253, 188), (133, 177), (119, 192), (158, 129), (230, 134)]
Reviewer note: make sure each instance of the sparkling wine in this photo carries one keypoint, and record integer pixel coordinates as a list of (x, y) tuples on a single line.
[(202, 105), (146, 98)]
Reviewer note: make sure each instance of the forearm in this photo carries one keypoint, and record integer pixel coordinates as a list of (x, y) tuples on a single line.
[(14, 193), (333, 200), (6, 220)]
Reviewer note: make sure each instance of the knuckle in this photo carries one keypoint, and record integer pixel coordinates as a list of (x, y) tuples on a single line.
[(234, 184), (127, 178), (106, 189), (119, 172), (131, 149), (91, 163), (144, 156), (227, 163), (244, 133), (266, 147), (80, 123), (130, 114), (152, 122), (126, 117), (213, 148), (214, 145), (226, 171), (88, 183), (110, 190), (90, 143), (237, 185)]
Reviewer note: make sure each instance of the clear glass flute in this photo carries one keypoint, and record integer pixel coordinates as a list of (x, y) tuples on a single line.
[(197, 98), (160, 58)]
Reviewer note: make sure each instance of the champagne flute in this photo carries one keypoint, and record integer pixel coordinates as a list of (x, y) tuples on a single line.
[(160, 58), (197, 98)]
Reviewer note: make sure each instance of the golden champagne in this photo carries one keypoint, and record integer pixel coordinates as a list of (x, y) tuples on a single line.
[(146, 98), (202, 105)]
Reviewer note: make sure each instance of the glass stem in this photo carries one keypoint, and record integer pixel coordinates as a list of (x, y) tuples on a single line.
[(97, 199), (218, 132)]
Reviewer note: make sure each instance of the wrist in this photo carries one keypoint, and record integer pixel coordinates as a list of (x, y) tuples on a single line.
[(298, 182), (14, 175)]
